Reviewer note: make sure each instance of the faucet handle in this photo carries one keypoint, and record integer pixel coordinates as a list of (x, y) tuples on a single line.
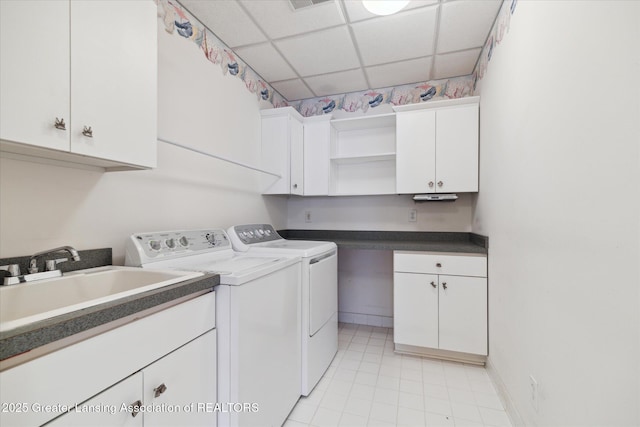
[(51, 264), (13, 269)]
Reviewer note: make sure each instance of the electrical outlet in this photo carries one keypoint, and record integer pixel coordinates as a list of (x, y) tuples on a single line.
[(413, 215), (533, 384), (307, 216)]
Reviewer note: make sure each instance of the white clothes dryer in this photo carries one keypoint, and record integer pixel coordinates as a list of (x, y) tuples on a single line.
[(257, 319), (319, 292)]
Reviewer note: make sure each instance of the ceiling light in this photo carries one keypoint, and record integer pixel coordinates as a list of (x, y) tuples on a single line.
[(384, 7)]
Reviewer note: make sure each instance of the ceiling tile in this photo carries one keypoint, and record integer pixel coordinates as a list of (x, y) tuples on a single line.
[(356, 11), (336, 83), (455, 64), (293, 90), (320, 52), (226, 20), (403, 36), (266, 61), (465, 24), (399, 73), (279, 19)]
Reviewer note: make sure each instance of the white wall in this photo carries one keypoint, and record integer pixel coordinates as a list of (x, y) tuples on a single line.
[(560, 200), (365, 277), (389, 213), (44, 206)]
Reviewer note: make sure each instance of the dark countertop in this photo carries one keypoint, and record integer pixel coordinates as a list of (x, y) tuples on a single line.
[(23, 339), (396, 240)]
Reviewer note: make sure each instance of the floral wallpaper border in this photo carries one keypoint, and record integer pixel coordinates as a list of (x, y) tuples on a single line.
[(177, 20), (500, 27)]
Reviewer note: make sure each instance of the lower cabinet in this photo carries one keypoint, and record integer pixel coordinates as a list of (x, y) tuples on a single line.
[(175, 390), (440, 302), (159, 369), (105, 409)]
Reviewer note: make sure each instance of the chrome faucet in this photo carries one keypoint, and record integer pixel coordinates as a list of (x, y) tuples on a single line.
[(50, 265)]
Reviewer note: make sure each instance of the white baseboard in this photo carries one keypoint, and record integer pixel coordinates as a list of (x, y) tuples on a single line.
[(365, 319), (510, 407)]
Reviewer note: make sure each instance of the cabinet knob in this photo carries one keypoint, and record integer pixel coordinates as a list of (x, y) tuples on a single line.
[(87, 131), (60, 124), (440, 183), (159, 390), (444, 285), (438, 264), (433, 284), (295, 185), (136, 408), (430, 184)]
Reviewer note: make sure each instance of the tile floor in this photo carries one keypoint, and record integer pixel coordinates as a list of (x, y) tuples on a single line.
[(369, 385)]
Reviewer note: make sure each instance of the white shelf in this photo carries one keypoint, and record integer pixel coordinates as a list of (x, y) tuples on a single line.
[(364, 122), (364, 159)]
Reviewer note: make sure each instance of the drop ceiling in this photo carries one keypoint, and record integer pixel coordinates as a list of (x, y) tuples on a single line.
[(337, 46)]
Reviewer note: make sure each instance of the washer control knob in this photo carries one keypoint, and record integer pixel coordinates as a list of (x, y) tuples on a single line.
[(211, 238), (184, 242), (171, 243), (155, 245), (267, 232)]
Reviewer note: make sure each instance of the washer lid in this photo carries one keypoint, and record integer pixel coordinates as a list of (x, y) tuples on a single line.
[(234, 268)]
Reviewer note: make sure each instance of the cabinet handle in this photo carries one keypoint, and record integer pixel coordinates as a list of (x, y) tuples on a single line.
[(159, 390), (438, 265), (59, 124), (440, 183), (444, 285), (87, 131), (430, 184), (136, 408), (433, 284)]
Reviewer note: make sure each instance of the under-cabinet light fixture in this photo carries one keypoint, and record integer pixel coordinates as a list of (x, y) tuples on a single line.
[(432, 197)]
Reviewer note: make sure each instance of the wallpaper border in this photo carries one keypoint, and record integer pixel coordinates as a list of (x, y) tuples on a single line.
[(179, 21)]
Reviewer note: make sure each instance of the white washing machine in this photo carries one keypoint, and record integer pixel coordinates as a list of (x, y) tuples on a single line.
[(319, 292), (257, 319)]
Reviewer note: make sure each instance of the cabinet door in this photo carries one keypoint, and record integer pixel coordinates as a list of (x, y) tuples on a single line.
[(457, 149), (34, 72), (463, 314), (317, 146), (183, 378), (114, 80), (275, 154), (415, 152), (105, 409), (297, 157), (415, 309)]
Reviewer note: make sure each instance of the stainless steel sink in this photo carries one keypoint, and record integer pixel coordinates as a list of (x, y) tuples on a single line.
[(30, 302)]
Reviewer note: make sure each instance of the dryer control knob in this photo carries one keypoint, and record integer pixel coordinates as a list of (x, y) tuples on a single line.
[(184, 241), (171, 243)]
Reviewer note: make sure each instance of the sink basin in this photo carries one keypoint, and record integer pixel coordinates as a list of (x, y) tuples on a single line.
[(30, 302)]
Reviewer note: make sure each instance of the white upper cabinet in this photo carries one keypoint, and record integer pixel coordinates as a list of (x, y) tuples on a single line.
[(282, 151), (90, 64), (296, 149), (420, 148), (114, 80), (34, 73), (437, 147), (416, 145), (317, 146)]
